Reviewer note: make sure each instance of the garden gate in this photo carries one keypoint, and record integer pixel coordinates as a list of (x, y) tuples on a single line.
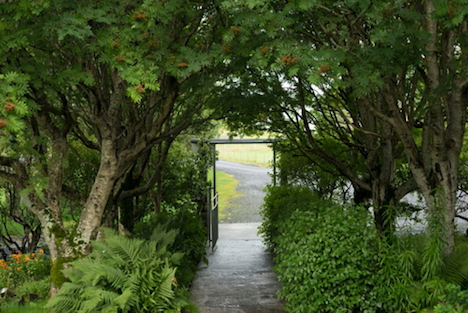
[(212, 194)]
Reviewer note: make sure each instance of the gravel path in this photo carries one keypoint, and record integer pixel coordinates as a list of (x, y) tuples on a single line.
[(252, 180)]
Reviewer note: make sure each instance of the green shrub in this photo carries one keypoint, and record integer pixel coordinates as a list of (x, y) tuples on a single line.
[(38, 288), (124, 275), (454, 300), (331, 259), (190, 239), (279, 203), (327, 260), (22, 269)]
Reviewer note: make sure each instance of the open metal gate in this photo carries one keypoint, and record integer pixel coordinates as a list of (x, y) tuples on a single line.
[(213, 217), (212, 195)]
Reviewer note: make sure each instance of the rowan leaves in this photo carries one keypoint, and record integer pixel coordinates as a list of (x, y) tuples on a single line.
[(182, 64), (226, 48)]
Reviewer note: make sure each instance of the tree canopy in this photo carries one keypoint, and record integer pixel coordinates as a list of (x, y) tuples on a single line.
[(385, 77), (116, 78), (374, 91)]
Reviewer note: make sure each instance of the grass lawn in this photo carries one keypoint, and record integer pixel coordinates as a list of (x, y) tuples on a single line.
[(255, 154), (226, 187)]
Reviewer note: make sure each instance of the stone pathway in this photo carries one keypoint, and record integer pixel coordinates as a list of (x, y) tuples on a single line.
[(238, 278)]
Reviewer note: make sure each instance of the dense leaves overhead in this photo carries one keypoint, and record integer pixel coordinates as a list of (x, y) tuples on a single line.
[(113, 81)]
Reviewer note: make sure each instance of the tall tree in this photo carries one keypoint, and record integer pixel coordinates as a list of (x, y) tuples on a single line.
[(118, 77), (402, 61)]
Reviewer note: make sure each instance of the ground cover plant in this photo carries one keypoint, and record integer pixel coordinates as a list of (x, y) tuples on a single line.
[(190, 239), (330, 258), (125, 275), (32, 307)]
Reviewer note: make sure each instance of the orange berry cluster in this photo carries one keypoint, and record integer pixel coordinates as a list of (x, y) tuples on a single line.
[(287, 59)]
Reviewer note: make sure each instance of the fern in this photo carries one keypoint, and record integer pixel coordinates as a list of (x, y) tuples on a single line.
[(456, 266), (123, 275)]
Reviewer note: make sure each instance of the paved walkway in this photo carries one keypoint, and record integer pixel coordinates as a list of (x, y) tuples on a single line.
[(238, 278)]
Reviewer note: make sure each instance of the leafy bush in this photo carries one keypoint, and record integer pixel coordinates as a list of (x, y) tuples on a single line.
[(454, 300), (296, 169), (23, 268), (26, 275), (38, 288), (326, 260), (190, 239), (330, 259), (279, 203), (124, 275), (403, 269)]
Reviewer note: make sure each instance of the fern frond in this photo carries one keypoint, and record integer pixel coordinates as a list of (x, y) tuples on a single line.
[(91, 299), (163, 238), (165, 291), (64, 304), (126, 300), (456, 266), (122, 275), (127, 250), (67, 299)]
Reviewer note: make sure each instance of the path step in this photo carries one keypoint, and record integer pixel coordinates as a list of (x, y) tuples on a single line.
[(238, 278)]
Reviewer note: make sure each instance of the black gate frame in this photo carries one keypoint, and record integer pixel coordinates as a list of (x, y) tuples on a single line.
[(212, 195)]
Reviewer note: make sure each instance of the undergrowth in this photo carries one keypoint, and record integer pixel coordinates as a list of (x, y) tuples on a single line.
[(331, 259)]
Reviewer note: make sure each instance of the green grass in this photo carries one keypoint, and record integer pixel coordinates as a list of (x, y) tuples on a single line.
[(14, 229), (226, 188), (31, 307), (255, 154)]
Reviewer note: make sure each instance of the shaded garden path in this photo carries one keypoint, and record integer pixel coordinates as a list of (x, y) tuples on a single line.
[(239, 278)]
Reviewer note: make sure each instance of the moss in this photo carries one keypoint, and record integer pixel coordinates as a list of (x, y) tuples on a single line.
[(56, 276), (57, 231)]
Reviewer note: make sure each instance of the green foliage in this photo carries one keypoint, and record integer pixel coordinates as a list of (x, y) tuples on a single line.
[(31, 307), (13, 108), (279, 203), (402, 268), (190, 239), (433, 251), (21, 268), (184, 175), (38, 288), (25, 274), (454, 300), (330, 258), (296, 169), (124, 275), (326, 260), (451, 13)]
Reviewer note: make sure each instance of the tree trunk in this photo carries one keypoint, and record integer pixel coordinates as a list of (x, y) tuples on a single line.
[(91, 216)]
